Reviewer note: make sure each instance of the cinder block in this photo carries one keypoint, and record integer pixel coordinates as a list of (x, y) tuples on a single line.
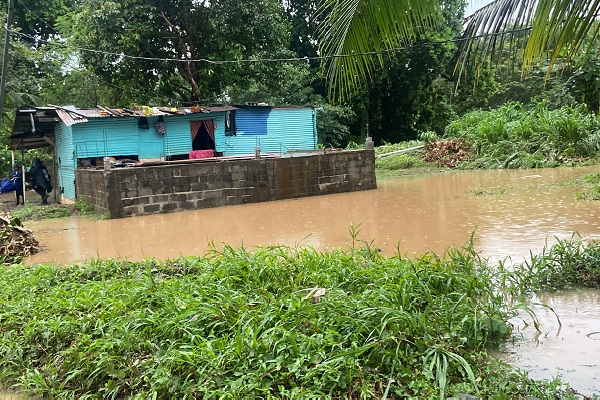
[(212, 194), (160, 198), (151, 208), (178, 197), (168, 207), (145, 192)]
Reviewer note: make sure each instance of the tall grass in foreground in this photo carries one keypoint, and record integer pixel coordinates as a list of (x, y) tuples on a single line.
[(276, 322)]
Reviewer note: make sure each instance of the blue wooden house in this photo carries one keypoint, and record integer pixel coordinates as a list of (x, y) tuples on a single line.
[(81, 138)]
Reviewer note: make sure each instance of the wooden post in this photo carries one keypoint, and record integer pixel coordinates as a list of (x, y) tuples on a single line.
[(23, 171)]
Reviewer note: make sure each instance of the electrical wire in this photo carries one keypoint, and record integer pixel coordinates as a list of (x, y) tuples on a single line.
[(273, 60), (268, 60), (34, 14)]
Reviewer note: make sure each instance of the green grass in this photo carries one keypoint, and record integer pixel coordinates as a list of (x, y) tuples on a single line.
[(35, 212), (590, 187), (513, 136), (32, 211), (400, 161), (493, 192), (565, 265), (277, 322), (402, 164), (391, 147), (86, 209)]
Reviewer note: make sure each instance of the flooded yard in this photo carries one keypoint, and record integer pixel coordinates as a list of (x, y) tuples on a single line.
[(570, 349), (511, 212)]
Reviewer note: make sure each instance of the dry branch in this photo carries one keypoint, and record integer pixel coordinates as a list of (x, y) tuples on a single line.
[(15, 240)]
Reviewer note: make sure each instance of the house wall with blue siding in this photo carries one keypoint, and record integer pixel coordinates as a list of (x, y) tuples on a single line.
[(121, 136), (66, 161), (275, 130)]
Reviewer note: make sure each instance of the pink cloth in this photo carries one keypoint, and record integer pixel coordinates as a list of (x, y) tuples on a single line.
[(196, 154)]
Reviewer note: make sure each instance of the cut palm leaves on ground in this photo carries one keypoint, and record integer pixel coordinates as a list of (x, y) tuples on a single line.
[(16, 241)]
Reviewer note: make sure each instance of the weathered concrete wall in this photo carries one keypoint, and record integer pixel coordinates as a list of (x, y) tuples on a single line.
[(166, 188), (93, 188)]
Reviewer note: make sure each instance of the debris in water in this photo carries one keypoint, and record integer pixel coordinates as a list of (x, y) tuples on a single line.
[(447, 153)]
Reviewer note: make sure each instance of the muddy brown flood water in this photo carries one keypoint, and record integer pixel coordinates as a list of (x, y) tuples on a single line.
[(511, 212)]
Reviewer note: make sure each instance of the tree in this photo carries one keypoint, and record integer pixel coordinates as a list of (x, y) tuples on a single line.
[(410, 92), (168, 38), (304, 23), (556, 28), (37, 18)]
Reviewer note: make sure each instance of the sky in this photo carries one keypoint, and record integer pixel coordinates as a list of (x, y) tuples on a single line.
[(473, 5)]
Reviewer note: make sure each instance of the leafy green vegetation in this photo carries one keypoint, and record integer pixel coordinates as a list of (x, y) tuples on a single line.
[(31, 211), (394, 162), (513, 136), (400, 161), (590, 186), (565, 265), (275, 322), (86, 209)]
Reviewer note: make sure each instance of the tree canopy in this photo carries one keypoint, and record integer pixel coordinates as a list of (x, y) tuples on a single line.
[(157, 46), (393, 66)]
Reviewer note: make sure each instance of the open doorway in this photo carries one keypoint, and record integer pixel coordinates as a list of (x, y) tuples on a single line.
[(203, 134)]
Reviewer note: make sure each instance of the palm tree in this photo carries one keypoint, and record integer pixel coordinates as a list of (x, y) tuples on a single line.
[(356, 33)]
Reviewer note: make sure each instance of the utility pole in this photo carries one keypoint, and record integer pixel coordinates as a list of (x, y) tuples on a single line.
[(5, 57)]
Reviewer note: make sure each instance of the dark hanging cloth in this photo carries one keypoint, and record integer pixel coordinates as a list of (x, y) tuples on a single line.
[(143, 123), (39, 176), (209, 125)]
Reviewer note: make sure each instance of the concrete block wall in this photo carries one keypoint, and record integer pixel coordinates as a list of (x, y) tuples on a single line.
[(166, 188), (94, 188)]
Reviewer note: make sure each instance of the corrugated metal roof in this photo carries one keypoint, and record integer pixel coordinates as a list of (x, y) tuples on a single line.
[(70, 118), (71, 115), (264, 105)]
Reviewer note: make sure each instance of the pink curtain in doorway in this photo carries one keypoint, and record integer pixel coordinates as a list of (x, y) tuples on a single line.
[(208, 124)]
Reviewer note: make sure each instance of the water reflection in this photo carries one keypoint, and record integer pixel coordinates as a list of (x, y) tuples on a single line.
[(571, 350)]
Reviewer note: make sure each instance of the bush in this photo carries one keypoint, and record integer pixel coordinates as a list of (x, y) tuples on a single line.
[(513, 136)]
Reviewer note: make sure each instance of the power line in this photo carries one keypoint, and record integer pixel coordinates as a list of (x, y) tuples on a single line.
[(34, 14), (288, 59)]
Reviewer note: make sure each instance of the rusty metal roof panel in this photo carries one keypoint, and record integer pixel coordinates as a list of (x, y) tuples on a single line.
[(69, 118), (220, 108)]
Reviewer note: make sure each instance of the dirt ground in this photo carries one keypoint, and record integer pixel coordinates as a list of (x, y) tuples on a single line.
[(8, 200)]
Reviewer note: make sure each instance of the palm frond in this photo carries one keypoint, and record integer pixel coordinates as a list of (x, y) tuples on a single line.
[(355, 33), (528, 31)]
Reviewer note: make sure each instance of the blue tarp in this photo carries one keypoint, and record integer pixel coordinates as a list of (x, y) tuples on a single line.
[(7, 186)]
